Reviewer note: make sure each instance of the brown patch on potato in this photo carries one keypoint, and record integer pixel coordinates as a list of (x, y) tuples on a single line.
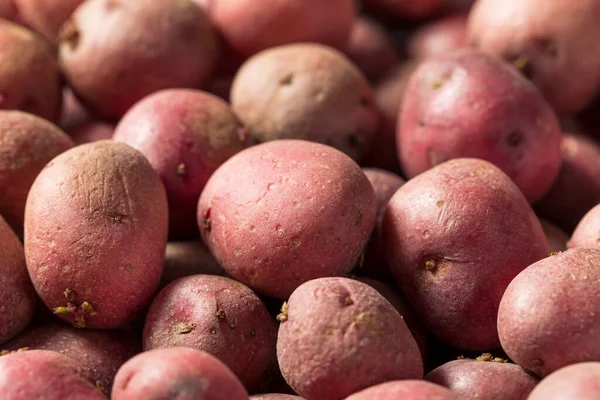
[(488, 357), (182, 328), (69, 294), (348, 301), (537, 367), (70, 34), (220, 314), (359, 214), (433, 264), (436, 84), (181, 170), (287, 80), (206, 223), (116, 218), (440, 203)]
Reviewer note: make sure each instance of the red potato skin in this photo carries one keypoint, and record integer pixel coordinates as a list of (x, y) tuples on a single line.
[(186, 135), (187, 258), (275, 396), (17, 297), (27, 144), (219, 316), (176, 373), (110, 71), (551, 42), (46, 17), (340, 336), (29, 74), (94, 206), (587, 233), (308, 212), (556, 237), (447, 231), (471, 379), (469, 104), (578, 381), (548, 314), (405, 390), (41, 374), (439, 37)]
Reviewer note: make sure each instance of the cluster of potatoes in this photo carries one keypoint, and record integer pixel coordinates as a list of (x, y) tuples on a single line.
[(299, 199)]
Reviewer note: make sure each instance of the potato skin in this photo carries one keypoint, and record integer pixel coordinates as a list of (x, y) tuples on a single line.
[(587, 233), (548, 315), (46, 16), (17, 297), (470, 104), (176, 373), (95, 232), (186, 135), (405, 390), (42, 374), (578, 381), (219, 316), (359, 338), (187, 258), (471, 379), (306, 91), (552, 41), (27, 144), (275, 396), (447, 231), (112, 60), (439, 37)]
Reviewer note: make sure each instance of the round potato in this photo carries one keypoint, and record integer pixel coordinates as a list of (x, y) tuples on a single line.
[(275, 396), (439, 37), (578, 381), (587, 232), (46, 16), (405, 390)]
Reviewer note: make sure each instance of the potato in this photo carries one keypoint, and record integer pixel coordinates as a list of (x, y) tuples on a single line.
[(577, 187), (469, 104), (556, 237), (27, 144), (8, 10), (405, 390), (579, 381), (371, 49), (29, 74), (46, 16), (552, 43), (99, 353), (95, 234), (17, 297), (308, 211), (275, 396), (493, 380), (411, 9), (439, 37), (176, 373), (186, 135), (338, 336), (112, 60), (92, 131), (187, 258), (306, 91), (548, 315), (249, 26), (47, 375), (587, 233), (447, 232), (219, 316)]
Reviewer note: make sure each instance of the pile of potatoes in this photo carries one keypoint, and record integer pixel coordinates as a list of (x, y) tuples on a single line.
[(300, 199)]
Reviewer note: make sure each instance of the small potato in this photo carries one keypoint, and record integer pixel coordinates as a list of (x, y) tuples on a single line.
[(275, 396), (405, 390), (27, 144), (578, 381), (587, 232), (439, 37), (95, 234), (186, 135), (188, 258), (112, 59), (17, 297), (221, 317), (176, 373), (339, 336), (47, 375), (403, 9), (548, 316), (46, 16), (306, 91), (553, 43), (281, 213), (470, 104), (447, 232), (556, 237), (29, 73), (472, 380)]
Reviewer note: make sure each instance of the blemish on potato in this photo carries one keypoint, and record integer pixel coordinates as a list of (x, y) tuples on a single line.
[(436, 84), (183, 328), (287, 80), (231, 326), (359, 215), (283, 315), (440, 203), (181, 170), (70, 34), (69, 294), (206, 221), (430, 265), (220, 314), (213, 331), (348, 301)]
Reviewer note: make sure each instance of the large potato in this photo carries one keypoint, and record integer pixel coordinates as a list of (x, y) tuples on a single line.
[(578, 381), (456, 236), (284, 212), (95, 234), (405, 390)]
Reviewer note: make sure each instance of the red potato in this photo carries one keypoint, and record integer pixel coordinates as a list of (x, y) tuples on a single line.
[(587, 232), (550, 42), (111, 71), (27, 144), (17, 297), (556, 237), (99, 353), (338, 336), (406, 9), (548, 315), (176, 373), (439, 37), (405, 390), (46, 16), (41, 374), (188, 258), (308, 211), (447, 231), (469, 104), (472, 379), (186, 135), (8, 10), (578, 381), (219, 316), (275, 396), (29, 73), (95, 234)]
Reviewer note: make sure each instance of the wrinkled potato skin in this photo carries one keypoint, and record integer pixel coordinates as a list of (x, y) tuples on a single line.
[(578, 381), (587, 232), (46, 16), (96, 223), (405, 390), (447, 232)]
